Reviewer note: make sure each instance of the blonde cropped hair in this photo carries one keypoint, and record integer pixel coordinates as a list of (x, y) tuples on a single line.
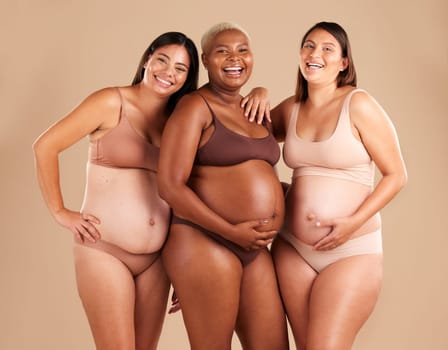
[(210, 34)]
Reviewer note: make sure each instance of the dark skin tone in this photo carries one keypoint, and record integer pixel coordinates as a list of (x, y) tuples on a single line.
[(208, 278)]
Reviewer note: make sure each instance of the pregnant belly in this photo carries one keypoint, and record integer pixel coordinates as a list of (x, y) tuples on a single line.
[(312, 198), (242, 192), (126, 201)]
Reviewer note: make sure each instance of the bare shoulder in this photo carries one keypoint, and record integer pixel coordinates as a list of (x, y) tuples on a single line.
[(361, 101), (287, 103), (108, 97), (191, 108), (284, 108), (280, 117), (364, 107), (102, 107)]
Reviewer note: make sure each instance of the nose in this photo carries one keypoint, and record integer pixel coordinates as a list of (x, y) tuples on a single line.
[(233, 56), (170, 70), (315, 52)]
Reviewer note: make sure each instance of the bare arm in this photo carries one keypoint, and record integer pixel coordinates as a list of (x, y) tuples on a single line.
[(179, 144), (380, 139), (378, 135), (280, 118), (89, 116)]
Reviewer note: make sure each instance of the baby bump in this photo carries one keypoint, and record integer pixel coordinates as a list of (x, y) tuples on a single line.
[(126, 201), (243, 192), (313, 198)]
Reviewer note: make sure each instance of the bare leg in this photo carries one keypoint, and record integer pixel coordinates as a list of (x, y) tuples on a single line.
[(343, 297), (206, 277), (261, 320), (106, 288), (151, 297), (296, 280)]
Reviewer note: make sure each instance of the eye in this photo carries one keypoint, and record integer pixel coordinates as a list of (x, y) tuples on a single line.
[(222, 51), (328, 49), (162, 59), (307, 46), (181, 69)]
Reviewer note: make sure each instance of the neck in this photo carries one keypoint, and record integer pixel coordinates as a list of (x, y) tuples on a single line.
[(319, 95), (149, 102), (223, 95)]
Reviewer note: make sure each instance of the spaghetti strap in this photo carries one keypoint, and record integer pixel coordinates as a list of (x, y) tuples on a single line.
[(121, 103), (208, 105), (293, 118), (345, 106)]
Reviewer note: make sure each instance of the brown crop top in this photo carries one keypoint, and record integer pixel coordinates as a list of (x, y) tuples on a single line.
[(226, 147), (123, 147)]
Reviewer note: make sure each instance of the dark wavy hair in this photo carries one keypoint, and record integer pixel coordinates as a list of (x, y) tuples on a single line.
[(173, 38), (347, 76)]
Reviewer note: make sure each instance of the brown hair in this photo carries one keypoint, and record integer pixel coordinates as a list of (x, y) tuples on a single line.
[(347, 76), (173, 38)]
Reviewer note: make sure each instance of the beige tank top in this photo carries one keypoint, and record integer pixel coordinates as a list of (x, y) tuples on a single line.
[(340, 156)]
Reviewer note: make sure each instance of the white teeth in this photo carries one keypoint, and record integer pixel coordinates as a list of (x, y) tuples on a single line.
[(235, 69), (314, 65), (164, 81)]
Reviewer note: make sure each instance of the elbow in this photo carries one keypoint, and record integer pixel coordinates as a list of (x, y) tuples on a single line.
[(403, 179), (44, 150), (162, 188), (166, 189), (38, 147)]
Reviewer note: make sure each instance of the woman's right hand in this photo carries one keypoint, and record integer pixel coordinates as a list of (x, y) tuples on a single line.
[(249, 234), (80, 224), (256, 105)]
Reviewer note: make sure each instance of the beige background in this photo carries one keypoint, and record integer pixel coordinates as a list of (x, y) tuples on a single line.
[(53, 53)]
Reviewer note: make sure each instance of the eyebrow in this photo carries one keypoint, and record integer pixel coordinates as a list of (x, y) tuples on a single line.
[(169, 58), (324, 43)]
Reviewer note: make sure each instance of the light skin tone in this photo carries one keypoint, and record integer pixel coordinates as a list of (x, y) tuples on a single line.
[(95, 116), (116, 286), (217, 293), (327, 309)]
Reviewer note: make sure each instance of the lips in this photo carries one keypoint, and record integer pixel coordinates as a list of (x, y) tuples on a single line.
[(163, 81), (313, 65), (233, 70)]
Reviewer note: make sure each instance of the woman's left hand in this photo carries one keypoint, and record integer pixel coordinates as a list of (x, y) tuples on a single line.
[(256, 105), (341, 231)]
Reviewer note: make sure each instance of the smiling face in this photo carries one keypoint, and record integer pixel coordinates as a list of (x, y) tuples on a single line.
[(167, 69), (321, 57), (228, 59)]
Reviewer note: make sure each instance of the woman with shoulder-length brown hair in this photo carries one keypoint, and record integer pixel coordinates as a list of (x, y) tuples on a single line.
[(216, 171), (328, 256)]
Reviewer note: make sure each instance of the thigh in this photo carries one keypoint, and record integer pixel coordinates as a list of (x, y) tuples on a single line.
[(295, 278), (206, 277), (261, 319), (106, 289), (343, 297), (151, 297)]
